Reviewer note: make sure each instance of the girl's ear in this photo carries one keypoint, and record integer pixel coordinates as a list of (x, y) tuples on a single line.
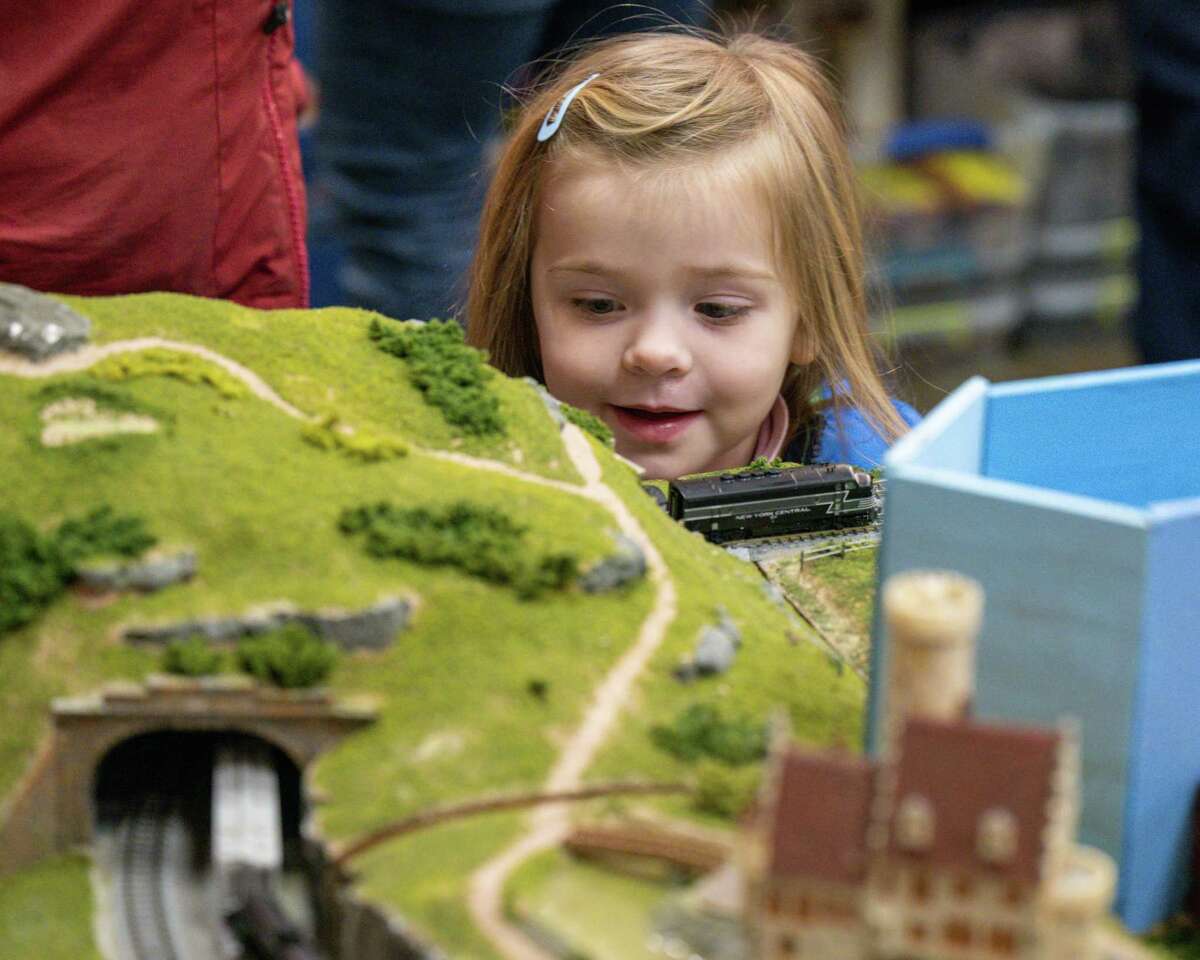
[(804, 345)]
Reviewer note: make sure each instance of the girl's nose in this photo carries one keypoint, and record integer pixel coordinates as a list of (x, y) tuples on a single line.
[(658, 348)]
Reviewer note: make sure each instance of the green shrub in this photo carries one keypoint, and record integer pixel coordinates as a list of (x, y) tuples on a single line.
[(700, 731), (538, 688), (451, 375), (32, 572), (193, 657), (290, 657), (101, 533), (35, 569), (588, 421), (328, 434), (724, 791), (481, 541), (160, 362)]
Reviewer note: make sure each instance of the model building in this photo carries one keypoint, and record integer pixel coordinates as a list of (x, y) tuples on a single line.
[(958, 841)]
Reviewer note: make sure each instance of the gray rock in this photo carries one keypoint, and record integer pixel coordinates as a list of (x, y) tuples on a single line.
[(37, 326), (265, 620), (371, 629), (219, 629), (624, 566), (148, 574), (162, 634), (715, 650), (551, 402)]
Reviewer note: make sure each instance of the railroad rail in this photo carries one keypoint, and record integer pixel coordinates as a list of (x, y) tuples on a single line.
[(143, 881), (433, 816), (810, 545)]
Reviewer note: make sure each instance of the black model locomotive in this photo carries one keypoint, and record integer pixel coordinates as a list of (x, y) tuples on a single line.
[(774, 502)]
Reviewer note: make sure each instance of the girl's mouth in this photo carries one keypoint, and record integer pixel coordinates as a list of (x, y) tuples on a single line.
[(652, 425)]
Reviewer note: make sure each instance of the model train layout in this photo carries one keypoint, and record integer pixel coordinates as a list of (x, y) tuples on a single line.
[(774, 502)]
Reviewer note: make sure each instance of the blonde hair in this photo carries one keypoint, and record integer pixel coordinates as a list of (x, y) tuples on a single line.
[(677, 100)]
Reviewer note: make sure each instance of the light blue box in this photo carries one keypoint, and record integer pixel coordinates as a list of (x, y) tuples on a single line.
[(1075, 501)]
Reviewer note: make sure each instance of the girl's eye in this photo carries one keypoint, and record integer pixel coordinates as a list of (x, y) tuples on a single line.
[(596, 306), (712, 310)]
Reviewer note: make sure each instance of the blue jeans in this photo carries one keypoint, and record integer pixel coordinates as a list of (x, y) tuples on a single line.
[(410, 99), (1166, 54)]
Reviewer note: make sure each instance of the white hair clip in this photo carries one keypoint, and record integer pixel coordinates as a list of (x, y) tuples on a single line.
[(554, 116)]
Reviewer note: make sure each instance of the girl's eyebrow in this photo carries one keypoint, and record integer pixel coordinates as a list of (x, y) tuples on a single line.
[(742, 271), (582, 266)]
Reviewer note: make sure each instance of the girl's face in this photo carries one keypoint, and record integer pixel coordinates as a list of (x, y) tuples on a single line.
[(660, 309)]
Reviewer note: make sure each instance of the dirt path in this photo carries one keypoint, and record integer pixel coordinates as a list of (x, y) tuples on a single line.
[(87, 356), (548, 825)]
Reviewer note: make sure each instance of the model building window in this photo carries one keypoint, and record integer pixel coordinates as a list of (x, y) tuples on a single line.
[(787, 945), (802, 907), (916, 932), (964, 886), (1003, 941), (996, 841), (914, 823), (920, 885), (958, 934), (773, 901), (1013, 892)]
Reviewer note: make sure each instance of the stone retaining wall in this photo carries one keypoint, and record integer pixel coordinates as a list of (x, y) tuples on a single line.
[(351, 928)]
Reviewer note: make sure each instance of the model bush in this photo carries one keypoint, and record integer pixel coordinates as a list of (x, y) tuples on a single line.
[(588, 421), (451, 375), (36, 568), (158, 362), (700, 731), (328, 433), (102, 533), (724, 791), (31, 572), (192, 657), (482, 541), (291, 657)]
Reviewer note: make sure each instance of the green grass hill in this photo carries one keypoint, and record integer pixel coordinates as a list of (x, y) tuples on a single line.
[(478, 694)]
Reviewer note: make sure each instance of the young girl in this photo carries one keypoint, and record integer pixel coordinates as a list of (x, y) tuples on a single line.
[(671, 241)]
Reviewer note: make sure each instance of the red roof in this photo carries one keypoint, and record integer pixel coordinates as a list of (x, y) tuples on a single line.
[(821, 814), (964, 769)]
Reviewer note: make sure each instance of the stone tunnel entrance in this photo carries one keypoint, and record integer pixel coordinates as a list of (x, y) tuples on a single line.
[(165, 812), (110, 743), (178, 765)]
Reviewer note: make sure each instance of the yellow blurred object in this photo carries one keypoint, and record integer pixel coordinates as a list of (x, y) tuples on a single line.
[(941, 180), (900, 189), (979, 176)]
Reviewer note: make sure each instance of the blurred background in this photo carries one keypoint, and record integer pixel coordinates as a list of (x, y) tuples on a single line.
[(995, 144)]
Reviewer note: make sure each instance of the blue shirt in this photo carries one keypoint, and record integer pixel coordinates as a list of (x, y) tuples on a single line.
[(846, 436)]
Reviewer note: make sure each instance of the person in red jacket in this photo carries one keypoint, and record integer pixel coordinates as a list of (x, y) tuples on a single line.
[(152, 146)]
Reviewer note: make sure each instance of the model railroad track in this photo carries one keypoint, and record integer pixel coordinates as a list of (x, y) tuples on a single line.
[(809, 545), (143, 882)]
